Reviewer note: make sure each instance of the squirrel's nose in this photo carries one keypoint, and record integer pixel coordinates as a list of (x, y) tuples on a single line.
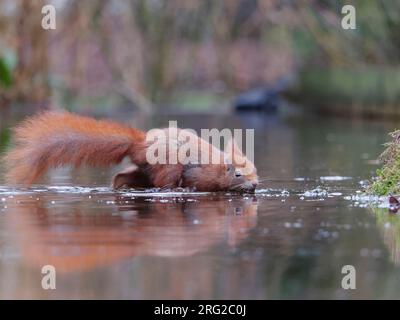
[(252, 186)]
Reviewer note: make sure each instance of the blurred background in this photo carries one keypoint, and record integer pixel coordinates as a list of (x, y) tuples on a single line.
[(312, 91), (192, 55)]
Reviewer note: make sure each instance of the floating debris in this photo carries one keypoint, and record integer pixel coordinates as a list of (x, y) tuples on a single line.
[(334, 178), (285, 193), (314, 193)]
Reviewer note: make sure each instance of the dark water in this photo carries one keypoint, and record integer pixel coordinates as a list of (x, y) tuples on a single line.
[(289, 240)]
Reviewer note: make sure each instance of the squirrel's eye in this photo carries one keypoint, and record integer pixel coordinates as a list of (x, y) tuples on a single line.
[(237, 173)]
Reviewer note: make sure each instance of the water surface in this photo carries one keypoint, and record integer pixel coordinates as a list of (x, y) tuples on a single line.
[(289, 240)]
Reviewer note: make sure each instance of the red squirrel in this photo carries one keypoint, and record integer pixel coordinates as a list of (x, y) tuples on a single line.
[(53, 139)]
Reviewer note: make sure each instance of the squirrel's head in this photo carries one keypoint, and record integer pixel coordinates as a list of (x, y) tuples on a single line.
[(241, 170), (235, 173)]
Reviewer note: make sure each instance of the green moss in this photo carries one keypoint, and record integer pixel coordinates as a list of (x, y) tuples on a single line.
[(388, 177)]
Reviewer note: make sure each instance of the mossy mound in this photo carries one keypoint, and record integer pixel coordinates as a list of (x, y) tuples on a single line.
[(388, 177)]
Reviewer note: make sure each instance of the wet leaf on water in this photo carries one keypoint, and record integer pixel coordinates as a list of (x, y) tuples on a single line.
[(394, 204), (393, 200)]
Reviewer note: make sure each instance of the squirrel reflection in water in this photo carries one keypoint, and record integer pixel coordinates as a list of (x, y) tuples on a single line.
[(82, 239)]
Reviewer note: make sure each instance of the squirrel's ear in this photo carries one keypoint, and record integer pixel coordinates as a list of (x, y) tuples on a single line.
[(232, 148)]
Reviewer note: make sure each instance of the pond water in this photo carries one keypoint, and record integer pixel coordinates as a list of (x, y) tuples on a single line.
[(290, 240)]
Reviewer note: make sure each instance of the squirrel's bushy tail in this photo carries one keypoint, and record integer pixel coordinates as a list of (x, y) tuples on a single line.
[(54, 139)]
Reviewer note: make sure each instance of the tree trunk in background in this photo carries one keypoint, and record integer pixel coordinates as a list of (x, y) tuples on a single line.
[(31, 74)]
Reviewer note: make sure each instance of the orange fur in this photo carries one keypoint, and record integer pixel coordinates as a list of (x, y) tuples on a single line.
[(54, 139)]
